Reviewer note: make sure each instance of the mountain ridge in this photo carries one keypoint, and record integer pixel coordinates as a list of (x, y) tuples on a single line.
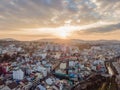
[(57, 39)]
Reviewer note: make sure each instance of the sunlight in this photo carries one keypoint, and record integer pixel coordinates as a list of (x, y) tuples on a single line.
[(63, 35), (63, 32)]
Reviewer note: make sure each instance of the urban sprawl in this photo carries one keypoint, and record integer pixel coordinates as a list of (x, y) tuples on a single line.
[(58, 66)]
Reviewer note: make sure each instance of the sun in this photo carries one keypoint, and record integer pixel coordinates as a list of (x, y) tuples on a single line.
[(63, 34)]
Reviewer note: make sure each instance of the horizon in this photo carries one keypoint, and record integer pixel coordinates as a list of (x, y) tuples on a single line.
[(4, 39), (28, 20)]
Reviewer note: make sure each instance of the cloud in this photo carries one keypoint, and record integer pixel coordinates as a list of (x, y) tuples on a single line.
[(103, 29), (40, 12), (18, 14), (107, 32), (108, 9)]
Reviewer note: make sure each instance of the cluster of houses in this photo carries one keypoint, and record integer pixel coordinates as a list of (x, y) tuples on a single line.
[(116, 64), (48, 66)]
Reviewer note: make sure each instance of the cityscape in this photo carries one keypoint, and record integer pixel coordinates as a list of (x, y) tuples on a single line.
[(59, 45)]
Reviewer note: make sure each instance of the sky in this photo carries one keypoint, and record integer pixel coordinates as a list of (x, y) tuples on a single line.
[(65, 19)]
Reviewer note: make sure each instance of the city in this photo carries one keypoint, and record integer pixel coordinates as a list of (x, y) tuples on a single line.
[(58, 66), (59, 44)]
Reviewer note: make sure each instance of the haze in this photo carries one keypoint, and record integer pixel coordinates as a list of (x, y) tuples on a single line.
[(65, 19)]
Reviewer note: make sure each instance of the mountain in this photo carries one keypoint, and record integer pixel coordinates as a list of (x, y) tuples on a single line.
[(8, 39), (78, 41)]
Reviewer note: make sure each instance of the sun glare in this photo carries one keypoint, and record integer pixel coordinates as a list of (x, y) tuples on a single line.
[(63, 35)]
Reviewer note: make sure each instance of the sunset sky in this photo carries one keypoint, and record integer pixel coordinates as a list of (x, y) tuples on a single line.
[(65, 19)]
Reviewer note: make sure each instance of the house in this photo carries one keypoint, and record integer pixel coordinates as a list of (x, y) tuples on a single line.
[(1, 84), (10, 86)]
